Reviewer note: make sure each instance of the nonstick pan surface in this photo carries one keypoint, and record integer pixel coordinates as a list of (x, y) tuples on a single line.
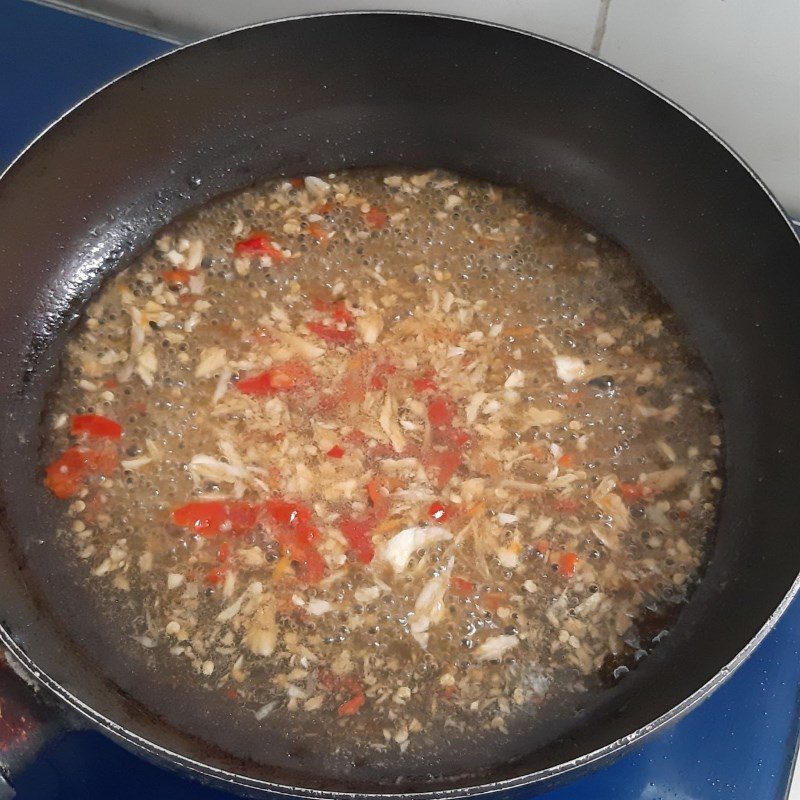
[(329, 92)]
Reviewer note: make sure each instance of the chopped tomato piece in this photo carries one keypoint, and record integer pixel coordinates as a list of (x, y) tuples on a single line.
[(357, 438), (317, 231), (179, 276), (353, 705), (380, 502), (283, 377), (312, 567), (281, 380), (292, 375), (566, 504), (376, 218), (95, 425), (243, 516), (353, 386), (215, 576), (358, 535), (210, 517), (297, 544), (565, 460), (330, 334), (542, 546), (297, 183), (352, 389), (260, 384), (441, 411), (288, 513), (328, 679), (334, 308), (633, 492), (335, 683), (296, 536), (381, 450), (445, 464), (101, 461), (458, 436), (259, 243), (305, 533), (566, 564), (462, 587), (335, 452), (341, 313), (67, 475), (381, 373), (64, 477), (438, 511), (424, 384)]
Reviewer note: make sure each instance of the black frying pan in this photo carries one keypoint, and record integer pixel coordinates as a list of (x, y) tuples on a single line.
[(338, 91)]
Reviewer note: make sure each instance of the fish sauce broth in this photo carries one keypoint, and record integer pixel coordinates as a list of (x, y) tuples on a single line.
[(379, 456)]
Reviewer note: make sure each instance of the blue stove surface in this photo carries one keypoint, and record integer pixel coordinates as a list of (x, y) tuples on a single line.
[(737, 745)]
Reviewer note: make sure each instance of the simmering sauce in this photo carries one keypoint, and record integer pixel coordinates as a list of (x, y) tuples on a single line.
[(402, 451)]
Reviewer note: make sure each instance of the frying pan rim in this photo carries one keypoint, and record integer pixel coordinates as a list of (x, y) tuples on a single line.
[(202, 769)]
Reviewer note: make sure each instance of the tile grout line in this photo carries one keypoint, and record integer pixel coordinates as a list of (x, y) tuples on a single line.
[(600, 27)]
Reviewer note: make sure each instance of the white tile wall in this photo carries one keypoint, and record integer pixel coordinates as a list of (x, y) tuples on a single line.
[(735, 64), (570, 21)]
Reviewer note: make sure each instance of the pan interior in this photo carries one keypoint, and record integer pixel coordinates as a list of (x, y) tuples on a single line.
[(705, 233)]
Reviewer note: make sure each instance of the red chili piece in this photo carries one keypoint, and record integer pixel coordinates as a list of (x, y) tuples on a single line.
[(566, 564), (441, 411), (462, 587), (380, 375), (68, 474), (334, 308), (210, 517), (177, 276), (330, 334), (375, 218), (444, 463), (95, 425), (424, 384), (284, 377), (358, 535), (296, 536), (259, 243)]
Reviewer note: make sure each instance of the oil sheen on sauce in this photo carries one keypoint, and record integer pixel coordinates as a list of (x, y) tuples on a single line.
[(387, 451)]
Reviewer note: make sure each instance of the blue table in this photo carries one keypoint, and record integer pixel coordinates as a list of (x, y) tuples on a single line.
[(738, 745)]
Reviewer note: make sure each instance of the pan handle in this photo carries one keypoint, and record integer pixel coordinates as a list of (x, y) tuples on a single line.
[(28, 719)]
